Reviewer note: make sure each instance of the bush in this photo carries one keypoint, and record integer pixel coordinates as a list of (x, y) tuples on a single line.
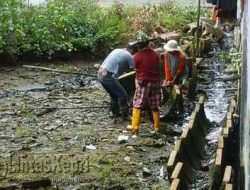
[(80, 25)]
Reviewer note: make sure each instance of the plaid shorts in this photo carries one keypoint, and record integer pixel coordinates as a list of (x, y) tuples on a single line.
[(147, 93)]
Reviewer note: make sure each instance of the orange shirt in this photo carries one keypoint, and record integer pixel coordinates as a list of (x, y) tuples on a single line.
[(174, 69)]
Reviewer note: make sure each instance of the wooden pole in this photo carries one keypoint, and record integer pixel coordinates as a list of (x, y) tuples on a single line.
[(197, 29), (57, 70)]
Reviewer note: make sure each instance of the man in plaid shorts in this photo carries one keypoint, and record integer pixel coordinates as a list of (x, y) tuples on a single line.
[(147, 92)]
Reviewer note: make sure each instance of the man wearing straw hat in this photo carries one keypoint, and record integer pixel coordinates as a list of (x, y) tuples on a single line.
[(147, 91)]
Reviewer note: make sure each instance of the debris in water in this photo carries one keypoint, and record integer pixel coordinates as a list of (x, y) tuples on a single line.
[(204, 166), (91, 147), (127, 158), (134, 136), (162, 172), (122, 138), (146, 172)]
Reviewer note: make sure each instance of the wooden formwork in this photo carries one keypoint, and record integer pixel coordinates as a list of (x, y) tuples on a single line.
[(228, 186), (188, 149), (179, 173), (175, 185), (222, 170)]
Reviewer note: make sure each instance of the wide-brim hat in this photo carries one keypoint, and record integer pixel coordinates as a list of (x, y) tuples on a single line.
[(171, 45)]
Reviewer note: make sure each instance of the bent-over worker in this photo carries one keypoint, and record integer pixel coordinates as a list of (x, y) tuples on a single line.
[(115, 64), (174, 64)]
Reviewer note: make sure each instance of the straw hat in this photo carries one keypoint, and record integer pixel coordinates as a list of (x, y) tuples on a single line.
[(172, 45)]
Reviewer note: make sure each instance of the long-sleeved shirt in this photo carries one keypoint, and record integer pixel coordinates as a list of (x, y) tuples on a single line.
[(173, 65)]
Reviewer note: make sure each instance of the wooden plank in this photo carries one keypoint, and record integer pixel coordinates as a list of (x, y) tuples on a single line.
[(218, 158), (199, 60), (197, 107), (228, 186), (229, 115), (227, 174), (193, 115), (229, 123), (201, 99), (191, 123), (177, 145), (183, 155), (175, 185), (185, 133), (178, 171), (172, 160), (220, 142), (225, 132)]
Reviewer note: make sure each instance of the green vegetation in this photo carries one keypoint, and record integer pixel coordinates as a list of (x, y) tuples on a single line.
[(63, 26), (22, 132)]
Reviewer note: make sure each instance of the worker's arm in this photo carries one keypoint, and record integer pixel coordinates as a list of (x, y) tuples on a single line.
[(167, 71), (180, 68)]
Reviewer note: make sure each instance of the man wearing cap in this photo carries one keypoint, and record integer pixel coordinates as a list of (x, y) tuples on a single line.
[(115, 64), (147, 91), (173, 63)]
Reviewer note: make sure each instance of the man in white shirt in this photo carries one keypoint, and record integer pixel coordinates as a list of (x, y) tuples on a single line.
[(115, 64)]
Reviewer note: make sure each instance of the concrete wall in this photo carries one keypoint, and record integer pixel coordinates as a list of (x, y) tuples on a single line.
[(245, 96)]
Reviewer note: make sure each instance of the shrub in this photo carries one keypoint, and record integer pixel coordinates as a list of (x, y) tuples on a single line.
[(80, 25)]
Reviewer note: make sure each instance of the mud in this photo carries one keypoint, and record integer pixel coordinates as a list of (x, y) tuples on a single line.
[(50, 120), (56, 133)]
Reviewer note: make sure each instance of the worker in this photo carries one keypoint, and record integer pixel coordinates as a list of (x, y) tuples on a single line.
[(115, 64), (175, 69), (147, 81), (174, 64), (223, 9)]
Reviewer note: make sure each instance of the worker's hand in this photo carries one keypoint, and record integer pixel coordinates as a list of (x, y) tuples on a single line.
[(185, 82), (171, 83), (166, 83), (138, 83), (103, 71)]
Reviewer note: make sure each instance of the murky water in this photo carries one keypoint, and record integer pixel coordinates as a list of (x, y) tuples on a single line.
[(217, 101)]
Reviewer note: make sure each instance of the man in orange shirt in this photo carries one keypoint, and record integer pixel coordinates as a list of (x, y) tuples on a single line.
[(174, 64)]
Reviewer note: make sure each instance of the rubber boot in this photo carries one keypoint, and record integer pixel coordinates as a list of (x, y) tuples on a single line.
[(124, 109), (136, 115), (156, 119), (114, 107)]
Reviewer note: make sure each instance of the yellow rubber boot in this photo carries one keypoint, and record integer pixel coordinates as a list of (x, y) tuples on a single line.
[(136, 115), (156, 119)]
